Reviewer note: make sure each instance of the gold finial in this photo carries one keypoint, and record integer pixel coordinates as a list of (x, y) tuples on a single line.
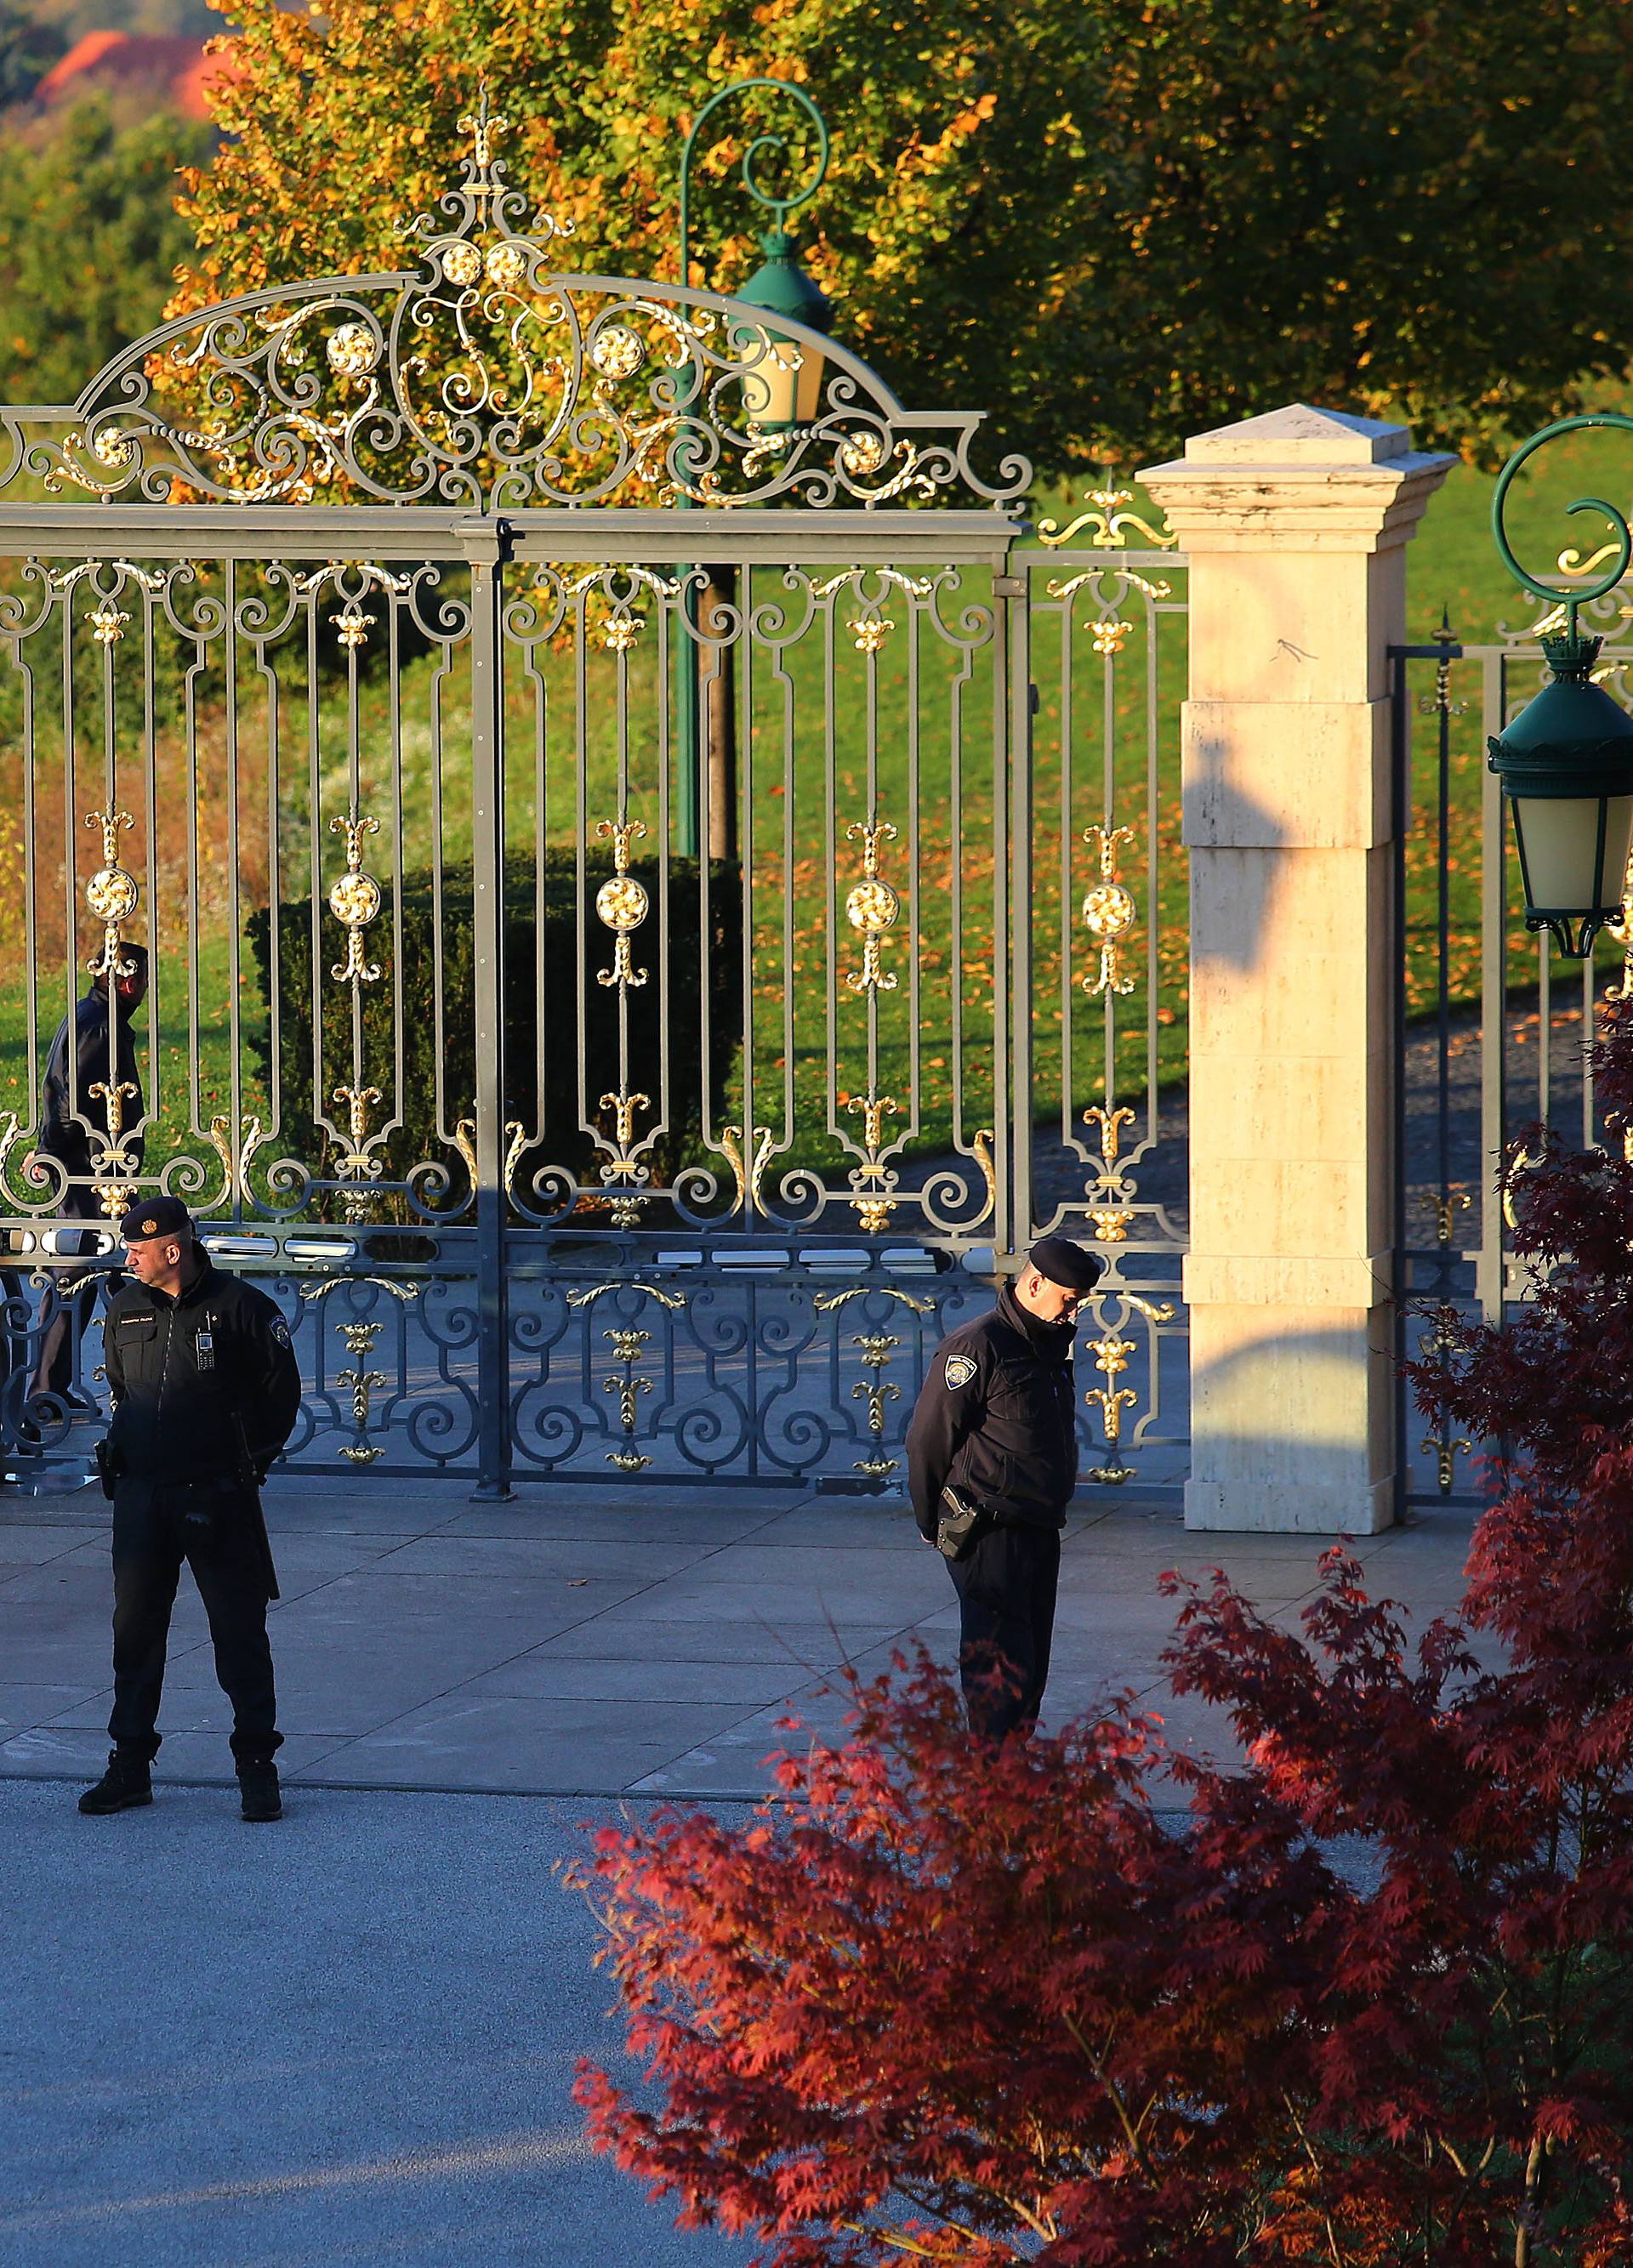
[(485, 128)]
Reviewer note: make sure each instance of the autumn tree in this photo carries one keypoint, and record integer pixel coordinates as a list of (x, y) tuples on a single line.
[(984, 2005), (28, 48), (1108, 222), (88, 244)]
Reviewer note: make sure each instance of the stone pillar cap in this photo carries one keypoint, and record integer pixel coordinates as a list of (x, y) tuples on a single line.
[(1299, 445), (1300, 435)]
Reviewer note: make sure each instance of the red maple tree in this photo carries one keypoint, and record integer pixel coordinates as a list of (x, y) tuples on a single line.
[(1367, 2002)]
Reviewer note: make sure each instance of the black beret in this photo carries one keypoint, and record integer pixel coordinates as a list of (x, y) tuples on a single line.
[(1066, 1264), (158, 1216)]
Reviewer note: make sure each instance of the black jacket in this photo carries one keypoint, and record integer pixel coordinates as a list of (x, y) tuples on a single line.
[(997, 1419), (62, 1105), (182, 1413)]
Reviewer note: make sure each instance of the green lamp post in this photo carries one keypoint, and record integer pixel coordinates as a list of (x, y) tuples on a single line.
[(1566, 761), (782, 384)]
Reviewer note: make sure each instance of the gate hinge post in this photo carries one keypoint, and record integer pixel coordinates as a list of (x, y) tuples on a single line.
[(486, 540), (1008, 586), (486, 543)]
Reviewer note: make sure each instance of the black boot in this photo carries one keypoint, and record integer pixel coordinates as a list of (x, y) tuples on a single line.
[(258, 1785), (126, 1783)]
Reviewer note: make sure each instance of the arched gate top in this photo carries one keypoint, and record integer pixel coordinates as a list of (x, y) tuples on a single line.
[(486, 378)]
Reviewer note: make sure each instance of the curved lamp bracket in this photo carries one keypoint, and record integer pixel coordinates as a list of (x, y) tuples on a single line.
[(1623, 537), (764, 145)]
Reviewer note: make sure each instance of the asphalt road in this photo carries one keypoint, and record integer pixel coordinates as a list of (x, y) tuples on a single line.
[(349, 2038)]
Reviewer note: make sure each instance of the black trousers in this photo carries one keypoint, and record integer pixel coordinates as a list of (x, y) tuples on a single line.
[(155, 1530), (1006, 1589), (59, 1346)]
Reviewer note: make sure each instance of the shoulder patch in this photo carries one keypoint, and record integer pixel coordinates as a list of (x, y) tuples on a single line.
[(280, 1332), (958, 1370)]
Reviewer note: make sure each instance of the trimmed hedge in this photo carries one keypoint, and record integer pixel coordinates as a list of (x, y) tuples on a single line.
[(570, 1016)]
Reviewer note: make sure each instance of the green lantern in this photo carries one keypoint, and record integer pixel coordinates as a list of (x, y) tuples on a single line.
[(782, 386), (1566, 765), (1566, 761)]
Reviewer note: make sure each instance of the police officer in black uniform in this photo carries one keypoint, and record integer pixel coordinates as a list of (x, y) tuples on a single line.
[(205, 1393), (995, 1424)]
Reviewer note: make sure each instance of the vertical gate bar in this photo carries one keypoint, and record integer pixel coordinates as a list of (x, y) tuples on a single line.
[(271, 684), (1110, 817), (742, 682), (1545, 1026), (484, 549), (1153, 899), (235, 846), (1589, 992), (664, 851), (1443, 921), (1493, 1001), (315, 866), (1018, 656), (195, 884), (1401, 793), (1067, 925), (394, 733), (830, 887), (155, 1089), (71, 798), (31, 889)]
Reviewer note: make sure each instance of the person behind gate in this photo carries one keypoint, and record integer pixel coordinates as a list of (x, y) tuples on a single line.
[(992, 1462), (92, 1061), (205, 1392)]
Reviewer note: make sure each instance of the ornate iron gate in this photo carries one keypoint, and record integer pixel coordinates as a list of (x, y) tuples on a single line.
[(1490, 1025), (589, 1112)]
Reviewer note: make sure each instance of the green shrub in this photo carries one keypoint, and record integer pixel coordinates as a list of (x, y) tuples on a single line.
[(572, 1013)]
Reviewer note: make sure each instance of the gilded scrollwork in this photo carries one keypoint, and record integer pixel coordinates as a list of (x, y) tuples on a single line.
[(484, 375), (1108, 520), (1445, 1206), (873, 1180), (981, 1144), (362, 1383), (1445, 1451), (235, 1156), (398, 1289), (872, 908), (113, 894), (594, 1292), (876, 1348), (622, 1173), (622, 903), (114, 1157), (108, 620), (1108, 910), (748, 1173), (629, 1386), (464, 1140), (1110, 1356), (360, 1163), (1114, 1212), (355, 901)]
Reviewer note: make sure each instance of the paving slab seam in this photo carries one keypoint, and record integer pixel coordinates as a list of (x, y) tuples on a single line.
[(293, 1786)]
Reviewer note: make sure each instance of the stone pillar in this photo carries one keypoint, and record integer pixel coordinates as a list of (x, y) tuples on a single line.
[(1296, 525)]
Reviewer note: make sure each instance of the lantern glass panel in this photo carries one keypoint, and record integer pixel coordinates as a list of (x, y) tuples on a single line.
[(784, 385), (1557, 838)]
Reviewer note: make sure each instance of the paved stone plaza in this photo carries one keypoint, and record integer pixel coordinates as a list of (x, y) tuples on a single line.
[(586, 1641), (350, 2037)]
